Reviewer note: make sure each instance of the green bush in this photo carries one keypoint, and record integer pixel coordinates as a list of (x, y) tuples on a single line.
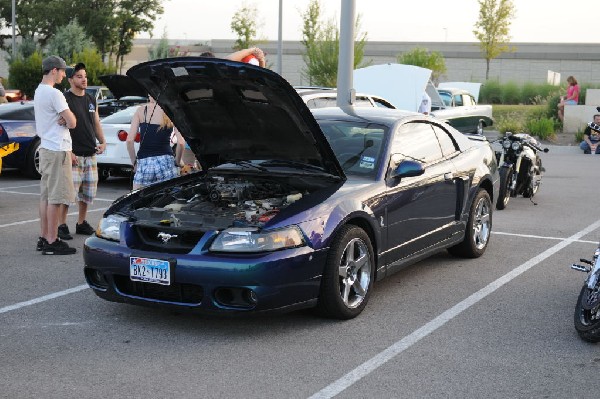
[(490, 93), (25, 74), (511, 93), (540, 127)]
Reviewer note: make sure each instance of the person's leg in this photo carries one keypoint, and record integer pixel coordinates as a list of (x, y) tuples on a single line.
[(62, 214), (585, 147), (52, 211), (83, 207), (561, 108)]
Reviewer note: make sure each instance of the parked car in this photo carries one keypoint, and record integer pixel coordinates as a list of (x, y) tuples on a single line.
[(290, 210), (17, 124), (100, 93), (115, 161), (125, 92), (7, 149), (460, 109), (13, 95), (321, 97)]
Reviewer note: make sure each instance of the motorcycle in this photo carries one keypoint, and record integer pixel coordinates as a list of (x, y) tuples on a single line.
[(520, 167), (587, 310)]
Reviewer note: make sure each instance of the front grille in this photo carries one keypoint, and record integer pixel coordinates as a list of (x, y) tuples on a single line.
[(181, 242), (176, 292)]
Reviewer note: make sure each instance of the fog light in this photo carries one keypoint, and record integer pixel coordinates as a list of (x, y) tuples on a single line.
[(250, 297)]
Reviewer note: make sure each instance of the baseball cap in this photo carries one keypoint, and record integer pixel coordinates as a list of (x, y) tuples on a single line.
[(72, 70), (52, 62), (594, 127)]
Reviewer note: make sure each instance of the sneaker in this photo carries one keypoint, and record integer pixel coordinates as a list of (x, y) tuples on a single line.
[(64, 233), (41, 243), (84, 228), (58, 247)]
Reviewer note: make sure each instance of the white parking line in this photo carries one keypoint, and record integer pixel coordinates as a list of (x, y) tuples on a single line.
[(38, 194), (400, 346), (43, 298), (29, 185), (37, 220), (541, 237)]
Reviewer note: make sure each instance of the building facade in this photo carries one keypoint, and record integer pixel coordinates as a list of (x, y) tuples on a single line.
[(528, 62)]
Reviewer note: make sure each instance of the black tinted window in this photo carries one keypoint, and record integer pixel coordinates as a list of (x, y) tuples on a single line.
[(17, 112), (417, 141), (122, 117)]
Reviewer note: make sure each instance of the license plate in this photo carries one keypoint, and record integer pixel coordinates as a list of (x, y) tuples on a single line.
[(155, 271)]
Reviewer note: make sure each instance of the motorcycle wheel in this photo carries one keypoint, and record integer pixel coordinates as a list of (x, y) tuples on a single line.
[(587, 321), (506, 178), (537, 177)]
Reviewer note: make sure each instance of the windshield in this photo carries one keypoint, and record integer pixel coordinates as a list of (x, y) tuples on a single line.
[(123, 117), (446, 98), (358, 146)]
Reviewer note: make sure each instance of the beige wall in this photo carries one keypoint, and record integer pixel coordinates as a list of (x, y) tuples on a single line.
[(529, 62)]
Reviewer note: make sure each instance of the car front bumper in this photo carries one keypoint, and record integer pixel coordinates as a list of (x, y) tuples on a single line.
[(205, 282)]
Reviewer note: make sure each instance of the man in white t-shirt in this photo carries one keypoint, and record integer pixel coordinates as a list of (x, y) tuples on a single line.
[(425, 106), (53, 119)]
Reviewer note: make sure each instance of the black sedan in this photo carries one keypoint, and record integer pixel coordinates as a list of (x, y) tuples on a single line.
[(291, 210)]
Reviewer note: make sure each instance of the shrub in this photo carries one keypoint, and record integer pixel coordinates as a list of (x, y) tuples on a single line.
[(491, 92), (26, 74), (540, 127), (510, 93), (579, 135), (509, 123)]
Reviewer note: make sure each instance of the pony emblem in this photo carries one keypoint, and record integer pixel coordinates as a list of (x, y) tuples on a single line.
[(165, 237)]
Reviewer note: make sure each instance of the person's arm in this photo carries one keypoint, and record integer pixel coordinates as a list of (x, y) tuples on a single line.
[(180, 146), (574, 94), (241, 54), (133, 130), (99, 134), (69, 118)]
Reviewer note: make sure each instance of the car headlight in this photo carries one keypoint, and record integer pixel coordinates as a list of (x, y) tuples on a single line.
[(516, 146), (110, 227), (242, 239), (506, 144)]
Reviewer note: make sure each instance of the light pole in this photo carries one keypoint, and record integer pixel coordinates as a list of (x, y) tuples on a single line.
[(280, 38), (345, 82), (14, 46)]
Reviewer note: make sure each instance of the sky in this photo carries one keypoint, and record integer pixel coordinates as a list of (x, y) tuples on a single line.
[(538, 21)]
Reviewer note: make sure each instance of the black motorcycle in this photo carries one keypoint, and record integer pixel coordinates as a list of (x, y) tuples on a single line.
[(520, 167), (587, 310)]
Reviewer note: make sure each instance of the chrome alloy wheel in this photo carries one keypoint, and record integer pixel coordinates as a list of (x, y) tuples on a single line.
[(354, 273), (481, 223)]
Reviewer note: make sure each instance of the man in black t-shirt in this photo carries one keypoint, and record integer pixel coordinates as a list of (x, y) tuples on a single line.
[(88, 140), (591, 137)]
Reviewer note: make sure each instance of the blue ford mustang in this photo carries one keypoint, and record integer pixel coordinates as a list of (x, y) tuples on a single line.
[(292, 209)]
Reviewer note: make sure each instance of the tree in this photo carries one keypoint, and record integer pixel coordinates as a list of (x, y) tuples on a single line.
[(244, 24), (493, 29), (322, 46), (68, 40), (112, 24), (422, 57), (160, 49)]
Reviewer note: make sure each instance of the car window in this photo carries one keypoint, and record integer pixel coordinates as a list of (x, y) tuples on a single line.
[(17, 112), (358, 146), (321, 102), (468, 100), (446, 98), (381, 103), (417, 140), (106, 94), (445, 140), (122, 117), (458, 100)]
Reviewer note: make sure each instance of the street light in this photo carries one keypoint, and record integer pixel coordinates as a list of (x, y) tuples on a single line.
[(14, 46)]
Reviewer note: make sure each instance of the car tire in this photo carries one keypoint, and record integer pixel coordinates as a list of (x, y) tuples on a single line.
[(103, 174), (348, 275), (32, 160), (504, 194), (587, 323), (479, 226)]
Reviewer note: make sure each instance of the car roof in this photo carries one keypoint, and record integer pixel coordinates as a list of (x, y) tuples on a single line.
[(384, 116), (453, 91)]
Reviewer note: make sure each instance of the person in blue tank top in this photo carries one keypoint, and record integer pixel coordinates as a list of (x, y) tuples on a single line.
[(154, 161)]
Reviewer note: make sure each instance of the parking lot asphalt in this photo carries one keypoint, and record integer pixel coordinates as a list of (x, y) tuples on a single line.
[(500, 326)]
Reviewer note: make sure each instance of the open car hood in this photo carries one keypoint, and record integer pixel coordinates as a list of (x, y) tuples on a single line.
[(230, 111), (121, 86)]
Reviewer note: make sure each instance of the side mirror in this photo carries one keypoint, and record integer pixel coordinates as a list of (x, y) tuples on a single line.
[(546, 150), (408, 168)]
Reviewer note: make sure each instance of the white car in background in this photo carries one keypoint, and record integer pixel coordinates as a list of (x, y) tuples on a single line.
[(114, 161)]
